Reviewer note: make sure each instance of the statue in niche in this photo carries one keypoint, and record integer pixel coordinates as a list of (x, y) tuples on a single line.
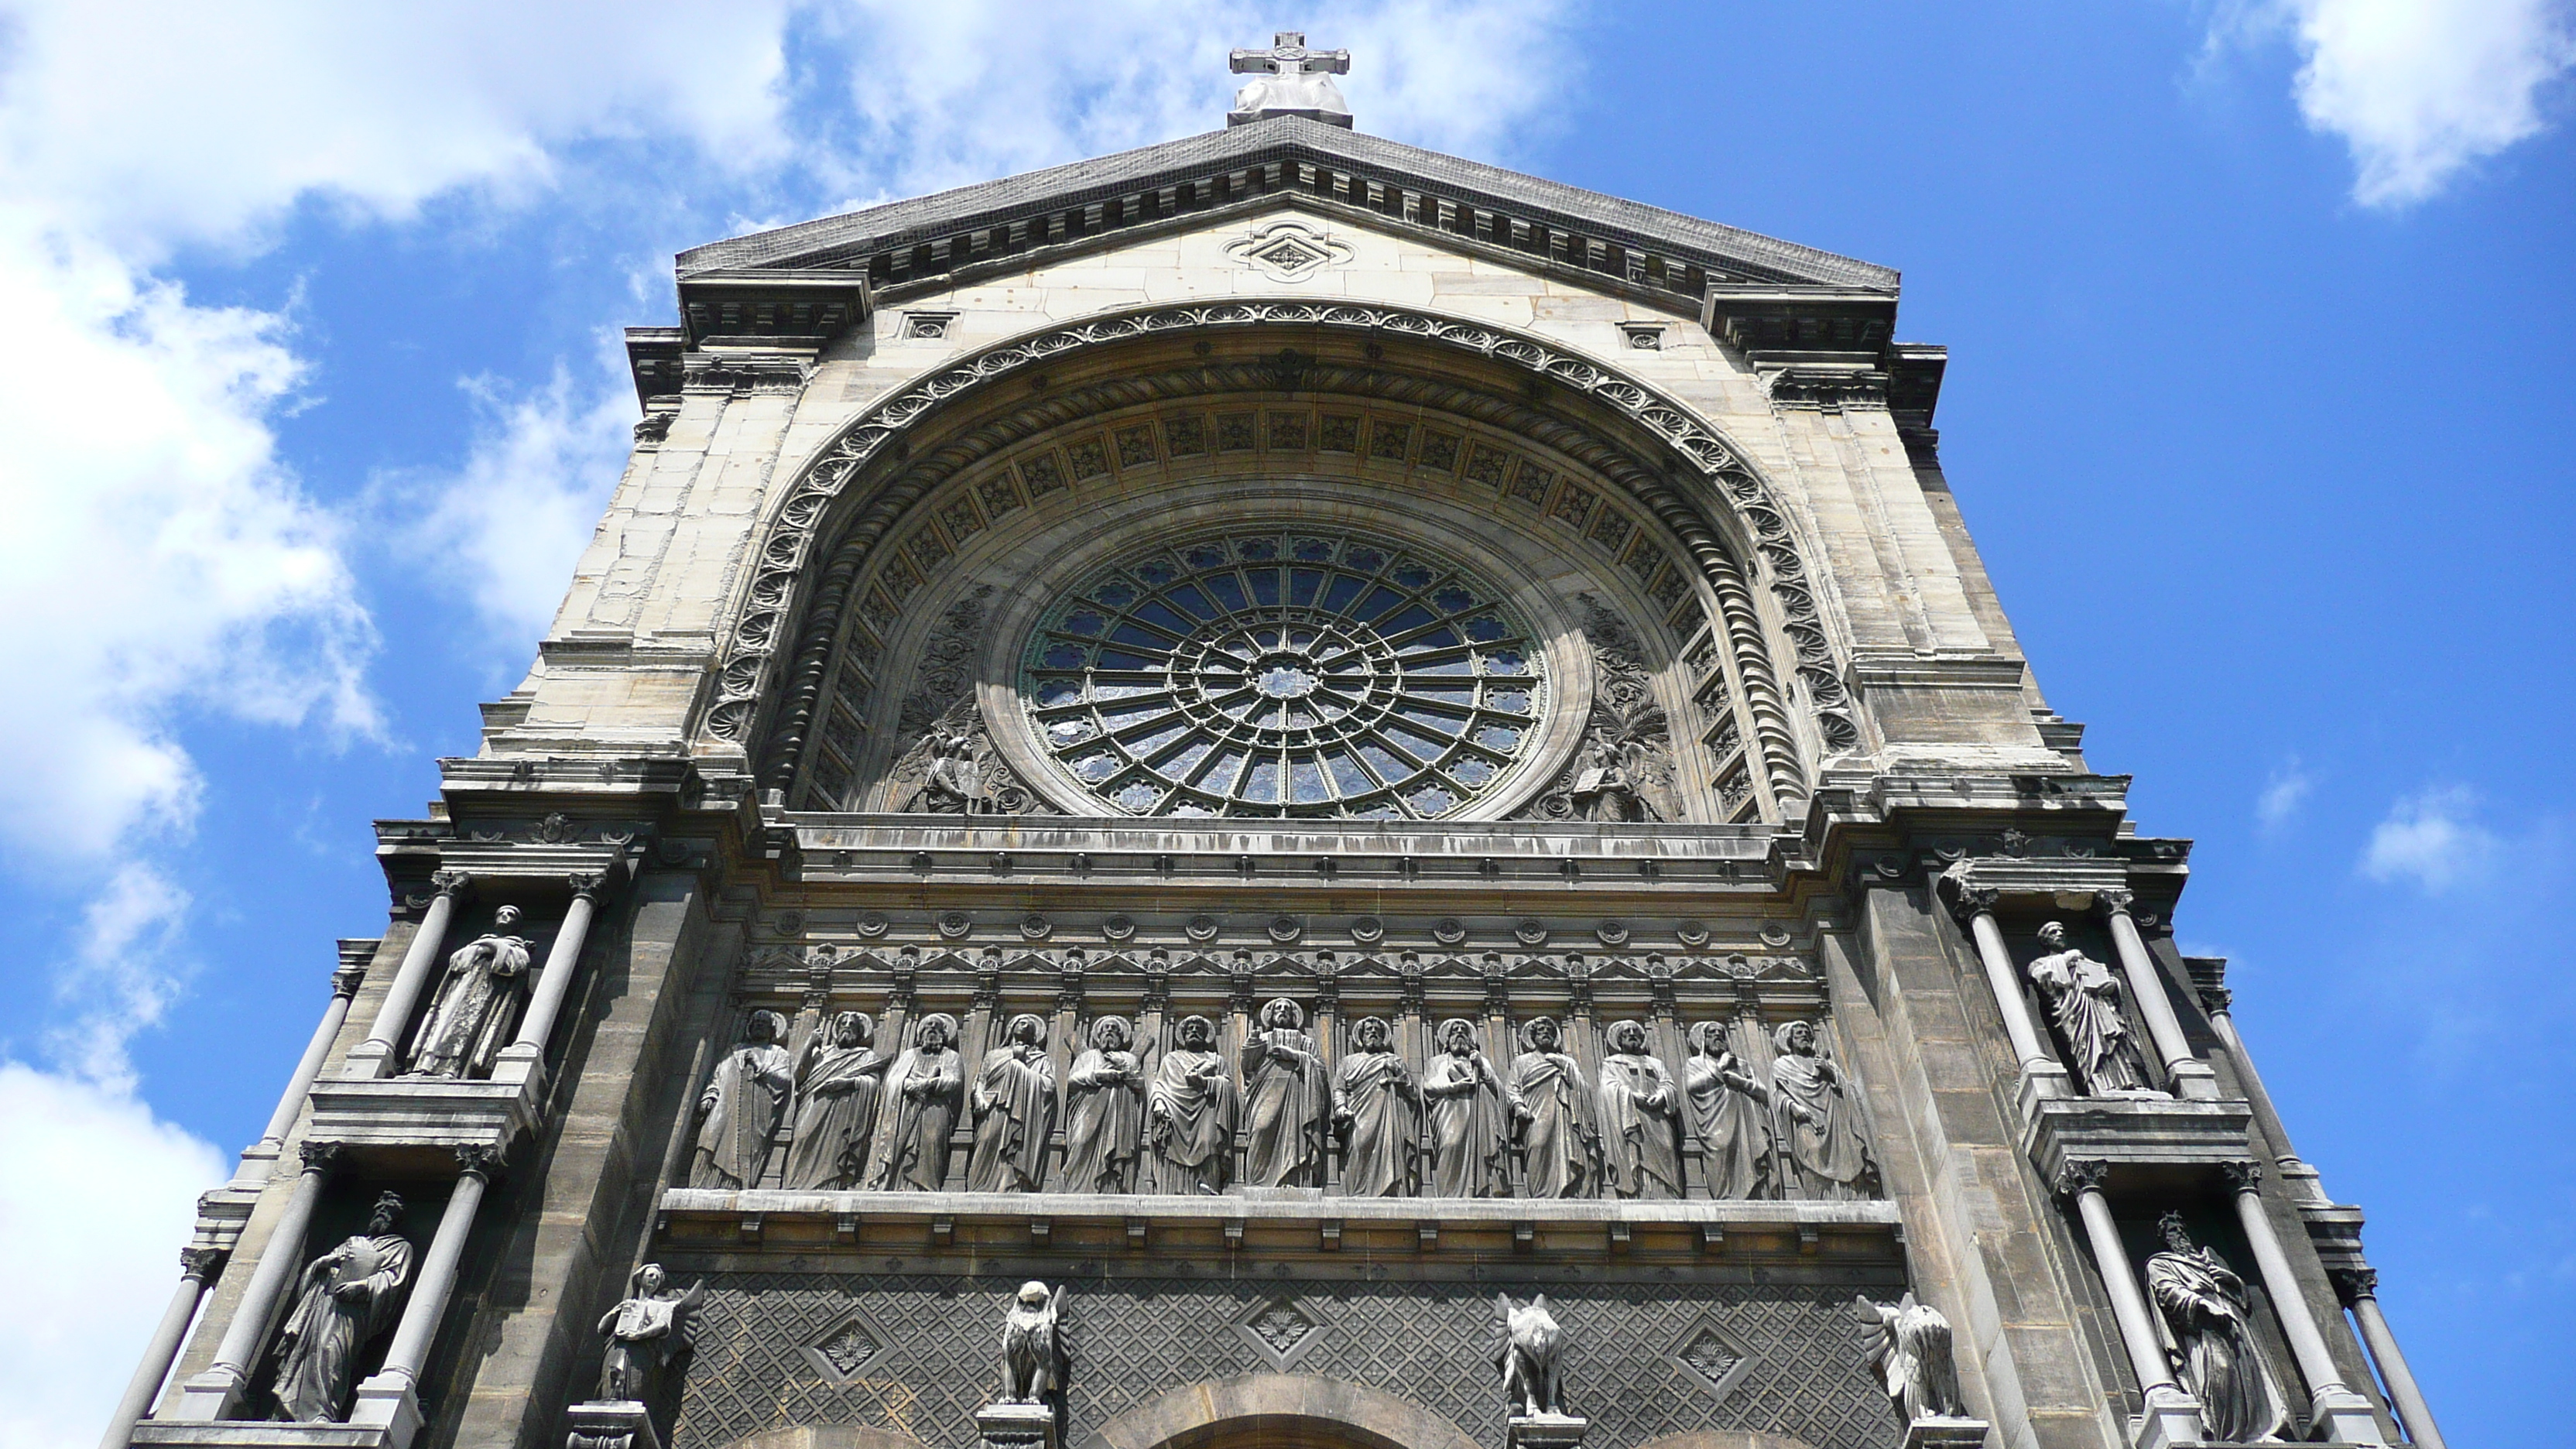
[(476, 1006), (836, 1116), (1191, 1113), (1560, 1133), (1104, 1112), (744, 1103), (1014, 1105), (1034, 1360), (1378, 1108), (348, 1296), (1910, 1354), (1528, 1349), (1727, 1116), (2083, 998), (1470, 1122), (2208, 1323), (648, 1331), (1815, 1124), (1287, 1101), (1640, 1119), (925, 1087)]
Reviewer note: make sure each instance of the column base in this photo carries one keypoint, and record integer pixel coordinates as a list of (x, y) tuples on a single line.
[(367, 1061), (610, 1424), (2042, 1082), (2172, 1419), (1940, 1431), (387, 1402), (1546, 1431), (1016, 1426), (2340, 1416), (208, 1397), (2193, 1081)]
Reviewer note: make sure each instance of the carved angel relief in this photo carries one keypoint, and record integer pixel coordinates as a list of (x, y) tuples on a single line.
[(953, 769), (1623, 769)]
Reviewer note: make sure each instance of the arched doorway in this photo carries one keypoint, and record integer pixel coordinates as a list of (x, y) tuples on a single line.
[(1277, 1411)]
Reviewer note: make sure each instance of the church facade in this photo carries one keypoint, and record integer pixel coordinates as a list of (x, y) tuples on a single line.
[(1284, 791)]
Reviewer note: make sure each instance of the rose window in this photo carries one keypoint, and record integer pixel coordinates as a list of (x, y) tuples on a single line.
[(1285, 673)]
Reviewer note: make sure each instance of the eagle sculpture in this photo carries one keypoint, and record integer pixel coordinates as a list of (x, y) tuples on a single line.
[(1034, 1357), (1526, 1349), (1911, 1353)]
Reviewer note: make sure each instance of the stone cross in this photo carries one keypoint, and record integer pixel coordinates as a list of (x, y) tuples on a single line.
[(1294, 81)]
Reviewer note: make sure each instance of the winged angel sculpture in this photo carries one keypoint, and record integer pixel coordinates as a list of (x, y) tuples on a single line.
[(1035, 1356), (647, 1331), (1528, 1349), (1910, 1352)]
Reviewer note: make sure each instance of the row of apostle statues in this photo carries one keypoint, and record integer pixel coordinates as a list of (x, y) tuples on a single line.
[(1187, 1120)]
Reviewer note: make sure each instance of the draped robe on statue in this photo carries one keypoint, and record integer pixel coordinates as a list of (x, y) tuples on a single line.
[(1641, 1152), (1816, 1129), (924, 1088), (747, 1101), (1374, 1093), (836, 1121), (2084, 1001), (2204, 1309), (1014, 1120), (1469, 1126), (475, 1009), (1287, 1104), (1735, 1145), (319, 1347), (1193, 1105), (1104, 1122), (1561, 1136)]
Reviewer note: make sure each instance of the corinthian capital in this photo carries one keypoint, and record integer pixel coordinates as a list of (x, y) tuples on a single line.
[(476, 1160), (451, 882), (2243, 1176), (322, 1157), (2115, 902), (588, 884), (2081, 1175), (200, 1263)]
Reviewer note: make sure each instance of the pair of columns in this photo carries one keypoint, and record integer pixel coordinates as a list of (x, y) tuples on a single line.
[(388, 1399), (2185, 1075), (380, 1055), (2173, 1415)]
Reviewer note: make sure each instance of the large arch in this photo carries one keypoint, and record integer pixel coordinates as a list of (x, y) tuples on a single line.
[(1285, 1411), (855, 488)]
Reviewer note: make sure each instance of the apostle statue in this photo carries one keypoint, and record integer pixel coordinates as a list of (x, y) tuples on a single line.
[(649, 1329), (1470, 1122), (476, 1006), (924, 1087), (744, 1103), (1560, 1132), (1815, 1125), (1378, 1109), (1287, 1101), (836, 1114), (1104, 1112), (1726, 1115), (1191, 1113), (1013, 1100), (2083, 998), (2209, 1324), (348, 1296), (1640, 1119)]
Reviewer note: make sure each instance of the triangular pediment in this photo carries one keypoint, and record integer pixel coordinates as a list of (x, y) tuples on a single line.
[(1616, 244)]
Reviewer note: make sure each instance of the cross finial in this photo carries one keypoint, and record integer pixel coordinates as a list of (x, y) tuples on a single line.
[(1293, 81)]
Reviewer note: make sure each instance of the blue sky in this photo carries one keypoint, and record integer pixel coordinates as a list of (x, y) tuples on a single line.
[(2258, 407)]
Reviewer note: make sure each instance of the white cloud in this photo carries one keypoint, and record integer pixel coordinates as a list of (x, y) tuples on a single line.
[(2419, 89), (88, 1275), (2429, 841), (2283, 794)]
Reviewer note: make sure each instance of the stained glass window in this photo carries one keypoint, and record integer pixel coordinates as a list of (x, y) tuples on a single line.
[(1284, 673)]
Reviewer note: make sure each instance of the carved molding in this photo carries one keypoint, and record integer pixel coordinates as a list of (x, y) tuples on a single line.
[(788, 543)]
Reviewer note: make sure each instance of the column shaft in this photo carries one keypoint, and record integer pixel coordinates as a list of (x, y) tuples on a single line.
[(241, 1341), (2344, 1414), (554, 982), (2301, 1178), (196, 1270), (2128, 1301), (325, 1032), (2411, 1408), (383, 1034), (2147, 988), (437, 1279), (2006, 981)]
